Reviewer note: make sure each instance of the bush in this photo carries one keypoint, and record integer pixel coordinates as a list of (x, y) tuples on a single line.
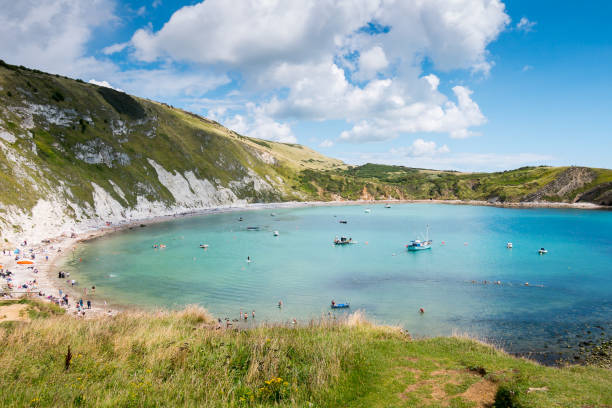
[(57, 96)]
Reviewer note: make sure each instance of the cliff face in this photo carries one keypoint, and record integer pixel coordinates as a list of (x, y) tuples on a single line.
[(75, 155)]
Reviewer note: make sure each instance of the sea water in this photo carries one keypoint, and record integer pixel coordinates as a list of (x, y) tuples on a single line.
[(568, 297)]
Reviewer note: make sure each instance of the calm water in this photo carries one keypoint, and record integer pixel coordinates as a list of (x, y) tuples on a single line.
[(569, 292)]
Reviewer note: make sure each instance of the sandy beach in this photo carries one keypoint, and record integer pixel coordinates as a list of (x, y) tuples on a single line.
[(40, 280)]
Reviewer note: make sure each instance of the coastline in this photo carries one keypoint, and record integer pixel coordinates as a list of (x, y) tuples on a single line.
[(59, 247)]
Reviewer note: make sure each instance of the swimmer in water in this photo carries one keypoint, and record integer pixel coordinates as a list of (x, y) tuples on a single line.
[(421, 310), (280, 304), (248, 259)]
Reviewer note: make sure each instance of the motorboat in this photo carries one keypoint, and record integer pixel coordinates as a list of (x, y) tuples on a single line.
[(343, 221), (418, 245), (340, 305), (542, 251), (253, 228), (367, 211), (276, 233), (204, 246), (509, 245), (387, 205), (343, 241)]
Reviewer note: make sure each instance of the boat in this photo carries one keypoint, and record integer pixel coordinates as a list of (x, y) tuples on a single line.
[(240, 219), (252, 228), (276, 233), (367, 211), (542, 251), (340, 306), (272, 214), (388, 206), (204, 246), (509, 245), (343, 241), (418, 245), (343, 221)]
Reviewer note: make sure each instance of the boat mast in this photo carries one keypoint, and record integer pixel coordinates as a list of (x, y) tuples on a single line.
[(427, 239)]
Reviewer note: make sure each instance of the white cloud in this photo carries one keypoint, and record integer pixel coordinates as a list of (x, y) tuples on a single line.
[(254, 124), (433, 81), (296, 52), (52, 35), (167, 82), (326, 143), (421, 148), (112, 49), (372, 61), (527, 68), (525, 25), (104, 84)]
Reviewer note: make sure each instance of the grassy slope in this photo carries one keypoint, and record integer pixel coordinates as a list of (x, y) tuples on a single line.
[(183, 142), (179, 359), (397, 182)]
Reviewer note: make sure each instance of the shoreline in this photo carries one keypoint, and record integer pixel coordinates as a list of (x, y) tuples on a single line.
[(60, 247)]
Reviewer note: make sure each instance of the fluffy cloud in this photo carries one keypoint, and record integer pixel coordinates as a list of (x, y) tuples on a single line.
[(52, 35), (421, 148), (525, 25), (254, 32), (371, 61), (326, 143), (254, 124), (300, 54)]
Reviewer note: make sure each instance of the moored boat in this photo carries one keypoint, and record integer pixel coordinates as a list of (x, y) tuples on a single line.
[(418, 245), (542, 251), (343, 241)]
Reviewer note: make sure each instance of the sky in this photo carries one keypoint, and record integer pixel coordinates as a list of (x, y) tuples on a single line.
[(470, 85)]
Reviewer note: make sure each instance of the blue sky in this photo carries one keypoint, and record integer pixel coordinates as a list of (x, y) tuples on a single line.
[(467, 85)]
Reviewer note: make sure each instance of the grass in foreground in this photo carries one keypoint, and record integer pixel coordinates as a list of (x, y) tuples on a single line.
[(179, 359)]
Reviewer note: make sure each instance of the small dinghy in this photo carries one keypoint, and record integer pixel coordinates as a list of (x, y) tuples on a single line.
[(276, 233), (340, 306), (252, 228), (367, 211), (204, 246), (509, 245), (343, 221), (542, 251), (388, 206)]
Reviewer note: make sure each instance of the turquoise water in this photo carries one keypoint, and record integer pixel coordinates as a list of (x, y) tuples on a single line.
[(569, 292)]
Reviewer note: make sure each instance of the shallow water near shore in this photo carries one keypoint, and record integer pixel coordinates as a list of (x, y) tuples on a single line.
[(568, 299)]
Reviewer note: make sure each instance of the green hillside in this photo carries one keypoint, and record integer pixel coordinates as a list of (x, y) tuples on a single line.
[(73, 153), (182, 359)]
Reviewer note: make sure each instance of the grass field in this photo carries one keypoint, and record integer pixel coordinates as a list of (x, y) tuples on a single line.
[(181, 359)]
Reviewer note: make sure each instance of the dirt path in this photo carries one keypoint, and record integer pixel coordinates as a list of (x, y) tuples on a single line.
[(14, 313)]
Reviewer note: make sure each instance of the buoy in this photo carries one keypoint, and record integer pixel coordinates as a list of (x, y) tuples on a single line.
[(421, 310)]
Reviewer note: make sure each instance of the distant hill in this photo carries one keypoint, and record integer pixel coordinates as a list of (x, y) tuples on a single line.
[(74, 155)]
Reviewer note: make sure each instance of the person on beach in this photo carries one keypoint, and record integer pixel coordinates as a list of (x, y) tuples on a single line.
[(246, 316), (81, 303), (89, 304), (253, 314)]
